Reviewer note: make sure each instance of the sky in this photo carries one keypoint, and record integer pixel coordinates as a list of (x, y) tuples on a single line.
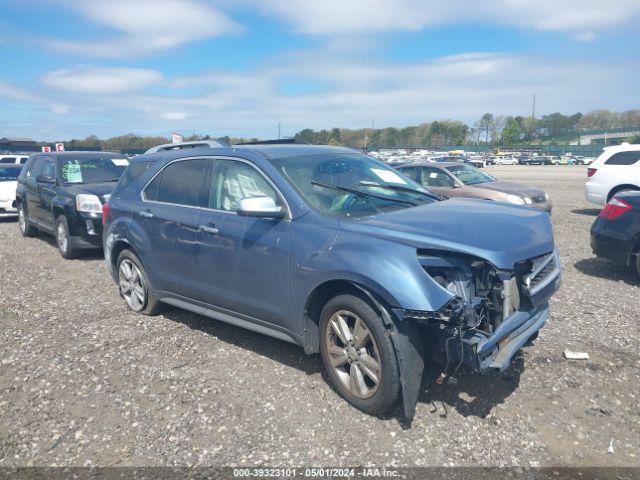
[(73, 68)]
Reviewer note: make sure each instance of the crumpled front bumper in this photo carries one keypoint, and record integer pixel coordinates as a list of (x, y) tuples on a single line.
[(482, 351)]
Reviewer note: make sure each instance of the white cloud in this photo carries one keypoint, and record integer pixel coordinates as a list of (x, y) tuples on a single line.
[(145, 26), (586, 37), (95, 80), (174, 116), (351, 94), (366, 16)]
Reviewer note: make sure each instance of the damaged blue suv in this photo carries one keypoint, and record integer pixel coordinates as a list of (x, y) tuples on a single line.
[(334, 251)]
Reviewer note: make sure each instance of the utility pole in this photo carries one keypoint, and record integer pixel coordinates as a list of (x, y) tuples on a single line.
[(279, 131), (533, 111)]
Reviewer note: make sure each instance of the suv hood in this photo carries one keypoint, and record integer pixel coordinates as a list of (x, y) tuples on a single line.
[(511, 187), (499, 233), (99, 189)]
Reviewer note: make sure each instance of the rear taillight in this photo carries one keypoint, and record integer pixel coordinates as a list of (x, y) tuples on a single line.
[(614, 209), (591, 172), (105, 212)]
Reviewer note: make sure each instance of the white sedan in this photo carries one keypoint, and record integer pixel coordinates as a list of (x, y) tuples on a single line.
[(8, 183), (505, 161)]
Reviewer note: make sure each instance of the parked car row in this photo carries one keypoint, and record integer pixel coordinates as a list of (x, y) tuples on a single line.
[(614, 181), (324, 247)]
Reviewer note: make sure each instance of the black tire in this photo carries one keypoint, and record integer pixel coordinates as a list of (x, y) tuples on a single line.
[(63, 239), (384, 394), (26, 229), (149, 305)]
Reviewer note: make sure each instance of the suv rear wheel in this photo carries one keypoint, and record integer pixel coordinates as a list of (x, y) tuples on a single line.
[(134, 285), (358, 354), (26, 229)]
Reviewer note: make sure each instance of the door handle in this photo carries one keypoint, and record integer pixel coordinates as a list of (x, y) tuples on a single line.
[(207, 229), (146, 214)]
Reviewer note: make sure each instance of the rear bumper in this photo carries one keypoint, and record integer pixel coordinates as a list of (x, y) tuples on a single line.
[(611, 247), (595, 193)]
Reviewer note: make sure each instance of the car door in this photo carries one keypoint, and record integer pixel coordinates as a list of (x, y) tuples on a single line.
[(168, 214), (438, 181), (243, 262), (46, 192), (31, 189)]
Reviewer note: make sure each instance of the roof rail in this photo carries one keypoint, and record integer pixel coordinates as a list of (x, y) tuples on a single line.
[(180, 146), (281, 141)]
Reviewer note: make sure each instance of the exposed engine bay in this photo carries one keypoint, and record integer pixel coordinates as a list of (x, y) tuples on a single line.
[(487, 308)]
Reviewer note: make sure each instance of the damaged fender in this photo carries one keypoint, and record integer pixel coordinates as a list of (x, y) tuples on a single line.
[(407, 343)]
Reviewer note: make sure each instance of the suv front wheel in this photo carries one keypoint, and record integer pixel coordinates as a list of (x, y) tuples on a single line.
[(63, 238), (358, 354)]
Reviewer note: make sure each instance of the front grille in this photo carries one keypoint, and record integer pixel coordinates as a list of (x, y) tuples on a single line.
[(544, 269)]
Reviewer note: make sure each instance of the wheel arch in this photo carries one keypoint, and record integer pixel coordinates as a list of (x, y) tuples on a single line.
[(619, 188), (325, 291)]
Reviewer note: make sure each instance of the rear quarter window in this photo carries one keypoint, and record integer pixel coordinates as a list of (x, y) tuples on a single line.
[(623, 158), (134, 171)]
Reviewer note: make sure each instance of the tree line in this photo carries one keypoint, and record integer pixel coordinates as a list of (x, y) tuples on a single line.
[(488, 130)]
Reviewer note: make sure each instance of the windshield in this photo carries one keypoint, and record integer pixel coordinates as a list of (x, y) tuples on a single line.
[(470, 175), (92, 170), (9, 174), (350, 185)]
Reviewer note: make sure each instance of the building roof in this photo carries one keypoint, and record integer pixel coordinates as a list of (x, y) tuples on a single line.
[(16, 139)]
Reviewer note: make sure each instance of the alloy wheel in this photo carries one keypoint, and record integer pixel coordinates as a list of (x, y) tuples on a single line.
[(62, 238), (131, 285), (353, 354), (22, 221)]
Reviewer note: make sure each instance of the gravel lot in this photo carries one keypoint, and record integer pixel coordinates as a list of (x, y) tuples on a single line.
[(85, 382)]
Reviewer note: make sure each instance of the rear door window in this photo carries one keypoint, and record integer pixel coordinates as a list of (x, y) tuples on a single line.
[(181, 183), (8, 160), (623, 158), (433, 177)]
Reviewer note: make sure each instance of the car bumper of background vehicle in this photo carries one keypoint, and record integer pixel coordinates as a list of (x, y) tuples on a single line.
[(86, 231), (547, 207), (7, 209), (482, 352), (595, 194), (610, 247)]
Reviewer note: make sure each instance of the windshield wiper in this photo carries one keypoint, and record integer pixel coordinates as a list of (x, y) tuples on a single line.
[(362, 193), (399, 188)]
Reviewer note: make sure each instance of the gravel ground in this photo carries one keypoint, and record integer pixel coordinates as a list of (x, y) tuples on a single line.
[(85, 382)]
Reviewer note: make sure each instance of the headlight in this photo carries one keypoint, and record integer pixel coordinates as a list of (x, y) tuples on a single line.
[(88, 204), (516, 199), (527, 200), (546, 196)]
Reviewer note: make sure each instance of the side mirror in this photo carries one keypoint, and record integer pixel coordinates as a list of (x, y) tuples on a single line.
[(45, 179), (455, 185), (261, 207)]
